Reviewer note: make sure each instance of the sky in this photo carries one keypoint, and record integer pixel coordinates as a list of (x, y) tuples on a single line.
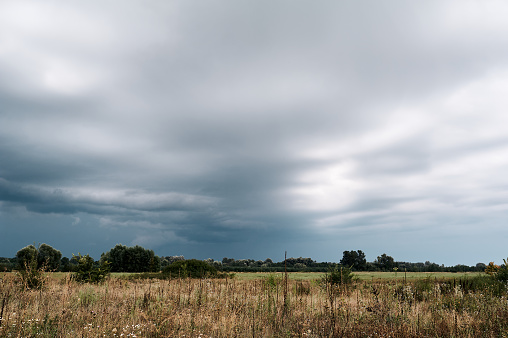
[(245, 129)]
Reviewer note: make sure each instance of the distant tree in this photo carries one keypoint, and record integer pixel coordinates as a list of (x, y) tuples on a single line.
[(65, 264), (460, 268), (302, 262), (7, 264), (32, 263), (115, 257), (167, 260), (172, 259), (228, 261), (138, 259), (190, 268), (26, 255), (74, 260), (131, 259), (155, 263), (46, 257), (432, 267), (385, 262), (354, 259), (49, 257), (300, 266), (480, 267)]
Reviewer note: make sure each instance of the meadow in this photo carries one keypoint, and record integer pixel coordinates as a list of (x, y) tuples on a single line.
[(362, 275), (262, 306)]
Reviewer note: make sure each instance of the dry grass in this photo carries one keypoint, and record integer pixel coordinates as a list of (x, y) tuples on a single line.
[(246, 308)]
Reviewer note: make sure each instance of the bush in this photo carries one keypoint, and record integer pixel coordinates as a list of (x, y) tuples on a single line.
[(272, 280), (192, 268), (33, 261), (502, 272), (498, 274), (88, 272), (31, 274), (336, 276)]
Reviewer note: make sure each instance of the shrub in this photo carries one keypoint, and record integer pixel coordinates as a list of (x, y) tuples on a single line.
[(502, 272), (499, 274), (190, 268), (272, 280), (491, 269), (336, 276), (31, 274), (88, 272)]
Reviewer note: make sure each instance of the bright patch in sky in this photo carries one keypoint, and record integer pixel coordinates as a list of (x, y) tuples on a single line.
[(245, 129)]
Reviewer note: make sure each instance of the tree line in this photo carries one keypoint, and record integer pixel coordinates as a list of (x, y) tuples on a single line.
[(355, 259), (122, 258)]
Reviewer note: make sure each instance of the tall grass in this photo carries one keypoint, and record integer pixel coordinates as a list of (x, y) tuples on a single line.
[(252, 308)]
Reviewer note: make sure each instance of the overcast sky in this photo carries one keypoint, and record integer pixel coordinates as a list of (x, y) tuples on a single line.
[(247, 128)]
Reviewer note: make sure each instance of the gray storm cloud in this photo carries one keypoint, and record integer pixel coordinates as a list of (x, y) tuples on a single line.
[(244, 129)]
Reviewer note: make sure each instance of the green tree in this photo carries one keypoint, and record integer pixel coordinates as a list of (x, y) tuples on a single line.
[(87, 271), (46, 257), (338, 276), (26, 256), (115, 257), (49, 257), (354, 259), (385, 262), (228, 261), (29, 269), (131, 259), (190, 268), (65, 264)]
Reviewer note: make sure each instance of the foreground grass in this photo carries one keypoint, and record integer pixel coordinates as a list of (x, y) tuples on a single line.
[(261, 307)]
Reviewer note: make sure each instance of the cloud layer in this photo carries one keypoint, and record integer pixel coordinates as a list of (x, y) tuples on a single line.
[(245, 129)]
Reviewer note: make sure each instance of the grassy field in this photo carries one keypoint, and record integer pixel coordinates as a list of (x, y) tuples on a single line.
[(362, 275), (254, 305), (365, 275), (291, 275)]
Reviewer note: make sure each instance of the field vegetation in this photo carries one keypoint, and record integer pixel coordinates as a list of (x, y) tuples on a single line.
[(134, 295), (266, 306), (364, 275)]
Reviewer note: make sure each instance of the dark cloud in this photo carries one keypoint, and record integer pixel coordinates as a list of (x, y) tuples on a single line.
[(245, 129)]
